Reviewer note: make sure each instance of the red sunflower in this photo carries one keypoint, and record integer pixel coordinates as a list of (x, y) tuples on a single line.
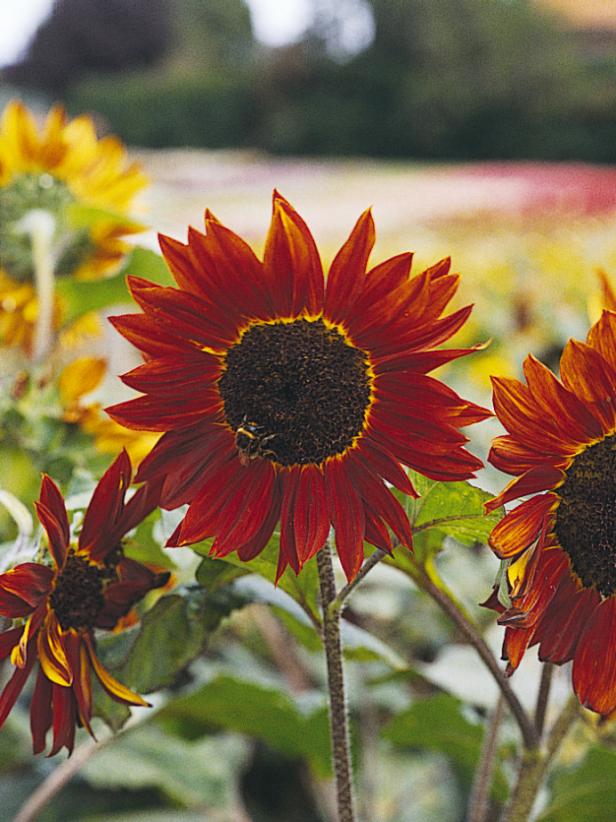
[(285, 398), (89, 585), (562, 442)]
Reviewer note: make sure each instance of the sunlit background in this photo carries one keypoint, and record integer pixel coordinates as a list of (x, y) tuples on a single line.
[(483, 129)]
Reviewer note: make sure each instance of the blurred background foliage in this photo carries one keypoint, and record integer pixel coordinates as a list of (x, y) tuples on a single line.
[(391, 78), (238, 728)]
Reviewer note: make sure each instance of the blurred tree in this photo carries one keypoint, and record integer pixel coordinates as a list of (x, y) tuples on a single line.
[(463, 78), (85, 36)]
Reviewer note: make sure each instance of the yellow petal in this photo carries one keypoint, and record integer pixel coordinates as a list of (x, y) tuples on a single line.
[(80, 377), (51, 654), (18, 654), (111, 685)]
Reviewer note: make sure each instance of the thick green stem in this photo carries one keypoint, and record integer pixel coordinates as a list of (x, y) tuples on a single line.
[(534, 765), (341, 748)]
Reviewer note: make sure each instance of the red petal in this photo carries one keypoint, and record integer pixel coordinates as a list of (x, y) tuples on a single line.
[(558, 404), (13, 688), (59, 532), (520, 527), (185, 314), (246, 511), (590, 377), (8, 640), (594, 665), (187, 372), (539, 478), (64, 718), (564, 621), (602, 337), (40, 712), (292, 263), (310, 519), (347, 272), (105, 508), (288, 548), (520, 414), (150, 336), (346, 512), (30, 582), (253, 547), (381, 501)]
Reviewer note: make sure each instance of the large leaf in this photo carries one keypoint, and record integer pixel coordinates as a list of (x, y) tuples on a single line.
[(586, 792), (438, 724), (304, 587), (455, 509), (80, 296), (190, 773), (358, 644), (171, 635), (258, 711)]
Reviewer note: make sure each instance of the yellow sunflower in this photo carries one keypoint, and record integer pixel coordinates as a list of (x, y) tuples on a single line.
[(56, 168)]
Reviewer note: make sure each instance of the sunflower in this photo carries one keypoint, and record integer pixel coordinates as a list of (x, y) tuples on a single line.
[(561, 449), (61, 165), (89, 585), (283, 398)]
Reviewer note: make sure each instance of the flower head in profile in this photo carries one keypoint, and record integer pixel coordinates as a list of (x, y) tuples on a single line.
[(561, 449), (285, 398), (53, 169), (90, 584)]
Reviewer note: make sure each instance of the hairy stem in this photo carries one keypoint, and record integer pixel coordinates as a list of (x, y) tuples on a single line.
[(479, 801), (543, 696), (341, 749), (348, 589), (527, 729), (534, 766)]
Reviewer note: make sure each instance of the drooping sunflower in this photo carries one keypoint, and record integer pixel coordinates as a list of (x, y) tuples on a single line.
[(53, 168), (90, 584), (561, 449), (283, 398)]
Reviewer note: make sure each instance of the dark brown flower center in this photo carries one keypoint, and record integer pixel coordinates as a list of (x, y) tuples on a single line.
[(586, 517), (295, 392), (78, 595)]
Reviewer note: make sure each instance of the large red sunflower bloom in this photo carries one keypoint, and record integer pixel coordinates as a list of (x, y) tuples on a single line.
[(89, 585), (562, 442), (287, 399)]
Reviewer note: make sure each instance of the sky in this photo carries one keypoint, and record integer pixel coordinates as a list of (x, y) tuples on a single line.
[(275, 22)]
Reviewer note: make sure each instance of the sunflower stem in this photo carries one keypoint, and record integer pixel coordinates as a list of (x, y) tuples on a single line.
[(338, 717), (40, 226), (534, 765), (527, 728), (543, 696), (339, 601), (479, 801)]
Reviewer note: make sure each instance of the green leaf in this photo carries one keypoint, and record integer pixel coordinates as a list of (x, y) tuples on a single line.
[(200, 773), (456, 510), (258, 711), (587, 791), (304, 588), (358, 644), (85, 216), (171, 635), (81, 296), (438, 724)]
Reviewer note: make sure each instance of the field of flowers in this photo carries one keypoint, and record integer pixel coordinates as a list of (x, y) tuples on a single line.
[(223, 639)]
